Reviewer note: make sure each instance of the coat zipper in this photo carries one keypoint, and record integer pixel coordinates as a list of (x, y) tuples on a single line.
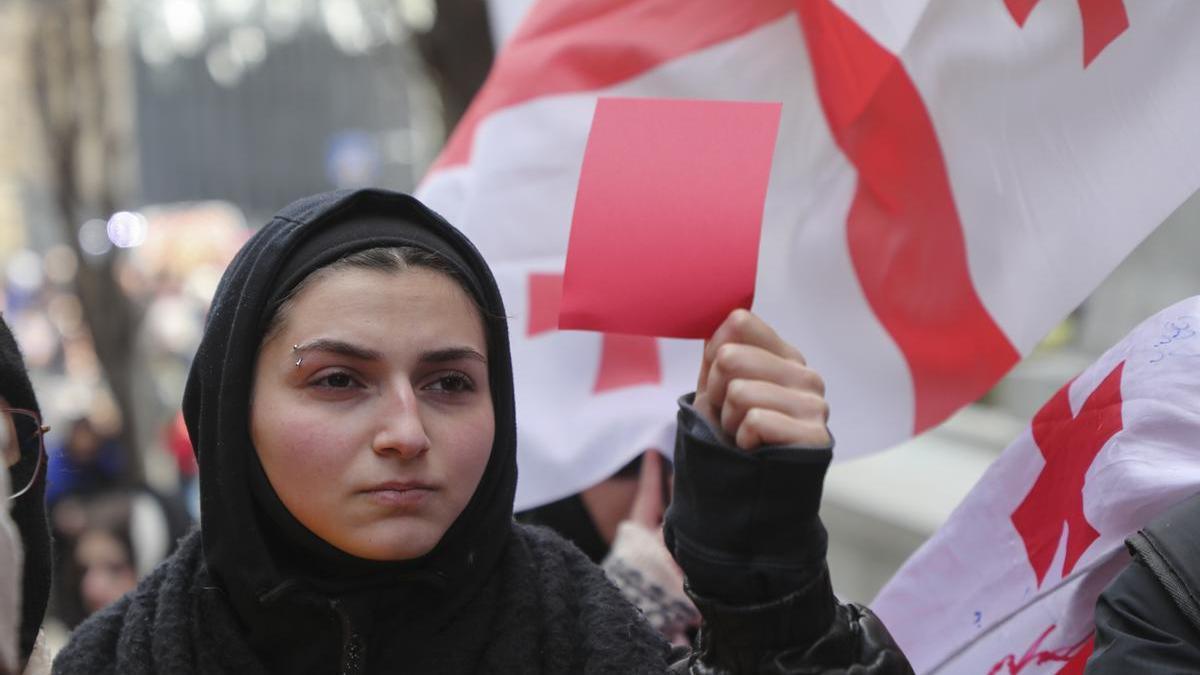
[(352, 648)]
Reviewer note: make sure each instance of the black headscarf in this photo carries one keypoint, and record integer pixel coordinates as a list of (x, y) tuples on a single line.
[(253, 547), (28, 510)]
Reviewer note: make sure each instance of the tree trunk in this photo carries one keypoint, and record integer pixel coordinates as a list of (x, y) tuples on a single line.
[(71, 89), (457, 52)]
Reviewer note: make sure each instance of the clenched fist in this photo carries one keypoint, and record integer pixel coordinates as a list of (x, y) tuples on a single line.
[(758, 389)]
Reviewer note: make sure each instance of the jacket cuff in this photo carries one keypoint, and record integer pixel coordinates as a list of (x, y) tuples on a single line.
[(798, 618), (744, 525), (853, 640)]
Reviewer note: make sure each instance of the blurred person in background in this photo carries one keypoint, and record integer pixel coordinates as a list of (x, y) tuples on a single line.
[(28, 538), (104, 544), (87, 462), (617, 523), (103, 561), (108, 529), (179, 446)]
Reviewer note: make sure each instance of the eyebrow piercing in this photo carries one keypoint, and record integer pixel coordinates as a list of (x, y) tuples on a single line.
[(299, 357)]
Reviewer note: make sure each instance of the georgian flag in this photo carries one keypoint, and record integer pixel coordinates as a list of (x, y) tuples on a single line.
[(1009, 583), (950, 180)]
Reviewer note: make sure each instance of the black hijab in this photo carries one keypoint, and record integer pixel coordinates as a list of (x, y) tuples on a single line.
[(253, 547), (28, 510)]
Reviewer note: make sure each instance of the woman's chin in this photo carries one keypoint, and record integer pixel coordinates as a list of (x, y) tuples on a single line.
[(391, 544)]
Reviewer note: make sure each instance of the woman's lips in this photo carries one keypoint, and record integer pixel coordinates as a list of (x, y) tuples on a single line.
[(399, 495)]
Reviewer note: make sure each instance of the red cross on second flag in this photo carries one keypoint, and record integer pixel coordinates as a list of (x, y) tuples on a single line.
[(1070, 444)]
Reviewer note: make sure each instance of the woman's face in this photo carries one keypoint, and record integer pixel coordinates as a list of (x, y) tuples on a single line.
[(107, 571), (378, 438)]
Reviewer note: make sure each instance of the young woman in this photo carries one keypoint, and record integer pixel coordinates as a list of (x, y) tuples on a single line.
[(351, 405)]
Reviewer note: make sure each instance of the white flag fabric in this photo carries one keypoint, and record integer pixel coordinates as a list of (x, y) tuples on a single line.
[(1010, 582), (950, 180)]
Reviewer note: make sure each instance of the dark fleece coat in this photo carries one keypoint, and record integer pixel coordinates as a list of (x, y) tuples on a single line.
[(257, 591), (546, 609)]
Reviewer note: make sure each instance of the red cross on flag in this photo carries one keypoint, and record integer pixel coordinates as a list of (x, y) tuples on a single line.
[(1009, 583), (949, 181)]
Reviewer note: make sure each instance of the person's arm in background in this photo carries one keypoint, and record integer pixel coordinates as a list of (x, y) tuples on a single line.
[(640, 565), (750, 459)]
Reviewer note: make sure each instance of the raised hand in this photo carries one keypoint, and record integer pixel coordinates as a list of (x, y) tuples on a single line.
[(758, 389)]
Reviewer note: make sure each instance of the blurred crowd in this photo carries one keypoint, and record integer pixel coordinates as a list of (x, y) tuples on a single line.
[(116, 511)]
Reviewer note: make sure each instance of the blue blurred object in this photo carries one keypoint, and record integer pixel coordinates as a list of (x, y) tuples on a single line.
[(86, 463), (352, 159)]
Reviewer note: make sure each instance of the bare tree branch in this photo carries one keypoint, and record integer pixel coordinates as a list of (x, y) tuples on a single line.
[(71, 94)]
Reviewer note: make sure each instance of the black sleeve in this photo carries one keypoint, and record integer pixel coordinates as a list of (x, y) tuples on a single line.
[(743, 525), (1139, 628), (744, 528)]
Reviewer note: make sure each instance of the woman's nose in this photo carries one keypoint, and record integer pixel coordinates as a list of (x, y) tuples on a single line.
[(401, 430)]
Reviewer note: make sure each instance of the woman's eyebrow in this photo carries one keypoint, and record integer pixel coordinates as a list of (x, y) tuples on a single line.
[(340, 347), (452, 354)]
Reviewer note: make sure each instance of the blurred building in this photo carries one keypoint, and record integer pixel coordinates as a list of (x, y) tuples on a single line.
[(306, 118), (14, 120)]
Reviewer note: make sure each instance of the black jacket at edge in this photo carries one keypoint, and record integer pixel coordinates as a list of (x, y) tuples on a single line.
[(1148, 619)]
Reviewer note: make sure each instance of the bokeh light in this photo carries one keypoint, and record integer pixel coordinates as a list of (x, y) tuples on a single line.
[(60, 264), (418, 15), (93, 238), (185, 25), (24, 271), (127, 229)]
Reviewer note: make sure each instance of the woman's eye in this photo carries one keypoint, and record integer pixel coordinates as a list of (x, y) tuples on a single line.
[(336, 381), (452, 383)]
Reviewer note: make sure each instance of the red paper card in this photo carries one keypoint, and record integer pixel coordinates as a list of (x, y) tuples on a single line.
[(664, 240)]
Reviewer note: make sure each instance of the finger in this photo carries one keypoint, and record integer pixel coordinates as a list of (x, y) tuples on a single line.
[(647, 507), (669, 481), (746, 362), (705, 364), (771, 427), (745, 395), (745, 327)]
